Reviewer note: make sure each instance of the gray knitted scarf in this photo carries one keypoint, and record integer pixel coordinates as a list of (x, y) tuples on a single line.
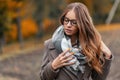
[(63, 42)]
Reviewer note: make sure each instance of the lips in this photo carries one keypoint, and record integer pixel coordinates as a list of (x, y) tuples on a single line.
[(68, 30)]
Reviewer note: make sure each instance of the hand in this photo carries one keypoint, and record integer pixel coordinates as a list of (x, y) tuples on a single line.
[(62, 60), (105, 50)]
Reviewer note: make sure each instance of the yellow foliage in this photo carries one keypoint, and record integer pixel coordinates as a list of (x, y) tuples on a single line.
[(28, 26), (109, 27), (47, 23), (12, 34), (11, 4)]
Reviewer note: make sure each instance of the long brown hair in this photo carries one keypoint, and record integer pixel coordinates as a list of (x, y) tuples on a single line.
[(89, 38)]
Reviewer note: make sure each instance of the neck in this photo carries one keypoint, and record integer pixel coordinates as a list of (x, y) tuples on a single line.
[(73, 39)]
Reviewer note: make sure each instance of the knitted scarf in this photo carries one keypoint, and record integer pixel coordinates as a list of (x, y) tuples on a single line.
[(63, 42)]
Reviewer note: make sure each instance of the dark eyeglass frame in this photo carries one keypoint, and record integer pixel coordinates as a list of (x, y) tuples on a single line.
[(73, 22)]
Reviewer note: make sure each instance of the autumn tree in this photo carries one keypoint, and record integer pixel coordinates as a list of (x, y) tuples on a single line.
[(16, 8), (101, 10), (46, 12), (3, 23), (112, 11), (18, 21)]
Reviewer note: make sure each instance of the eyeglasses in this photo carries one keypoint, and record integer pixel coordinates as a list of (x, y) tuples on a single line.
[(72, 22)]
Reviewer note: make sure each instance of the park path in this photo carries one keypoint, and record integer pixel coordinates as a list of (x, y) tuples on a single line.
[(21, 67), (27, 66)]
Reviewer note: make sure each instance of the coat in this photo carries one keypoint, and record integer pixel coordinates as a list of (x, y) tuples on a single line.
[(47, 73)]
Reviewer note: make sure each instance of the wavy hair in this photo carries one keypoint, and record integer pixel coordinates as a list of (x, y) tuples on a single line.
[(89, 37)]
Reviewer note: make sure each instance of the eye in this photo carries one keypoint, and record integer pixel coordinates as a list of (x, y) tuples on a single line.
[(66, 20), (74, 22)]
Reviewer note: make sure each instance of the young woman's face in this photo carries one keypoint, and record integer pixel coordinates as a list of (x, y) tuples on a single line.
[(70, 24)]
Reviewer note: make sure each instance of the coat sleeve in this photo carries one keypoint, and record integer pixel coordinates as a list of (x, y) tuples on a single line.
[(106, 69), (46, 71)]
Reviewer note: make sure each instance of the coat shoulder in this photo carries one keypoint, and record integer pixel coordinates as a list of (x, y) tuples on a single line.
[(49, 43)]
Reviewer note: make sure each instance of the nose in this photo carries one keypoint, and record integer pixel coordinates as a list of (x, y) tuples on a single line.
[(69, 24)]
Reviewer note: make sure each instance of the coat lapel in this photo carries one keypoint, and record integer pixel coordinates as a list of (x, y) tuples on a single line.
[(53, 53)]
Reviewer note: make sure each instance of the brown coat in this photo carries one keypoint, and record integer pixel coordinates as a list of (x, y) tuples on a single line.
[(47, 73)]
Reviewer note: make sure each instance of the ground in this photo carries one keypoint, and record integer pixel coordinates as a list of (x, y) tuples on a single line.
[(27, 66)]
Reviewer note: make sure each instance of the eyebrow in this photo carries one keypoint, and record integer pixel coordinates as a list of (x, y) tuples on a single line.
[(71, 19)]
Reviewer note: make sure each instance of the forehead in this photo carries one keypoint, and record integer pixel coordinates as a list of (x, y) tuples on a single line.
[(70, 14)]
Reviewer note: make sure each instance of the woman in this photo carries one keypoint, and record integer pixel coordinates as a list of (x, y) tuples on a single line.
[(75, 51)]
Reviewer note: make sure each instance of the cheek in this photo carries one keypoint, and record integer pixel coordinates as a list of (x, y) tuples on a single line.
[(75, 30)]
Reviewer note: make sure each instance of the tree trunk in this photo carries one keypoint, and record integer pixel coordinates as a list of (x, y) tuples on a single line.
[(20, 37), (2, 42), (112, 12), (1, 46)]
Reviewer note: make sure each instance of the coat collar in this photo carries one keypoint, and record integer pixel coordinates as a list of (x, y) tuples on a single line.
[(50, 44)]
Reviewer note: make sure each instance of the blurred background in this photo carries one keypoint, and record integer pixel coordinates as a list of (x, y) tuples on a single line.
[(26, 24)]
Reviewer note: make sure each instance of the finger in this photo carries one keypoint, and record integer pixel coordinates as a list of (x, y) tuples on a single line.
[(67, 60), (61, 58), (72, 53), (63, 53), (68, 63), (67, 56)]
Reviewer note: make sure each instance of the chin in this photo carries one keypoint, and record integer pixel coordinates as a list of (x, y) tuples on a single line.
[(68, 34)]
